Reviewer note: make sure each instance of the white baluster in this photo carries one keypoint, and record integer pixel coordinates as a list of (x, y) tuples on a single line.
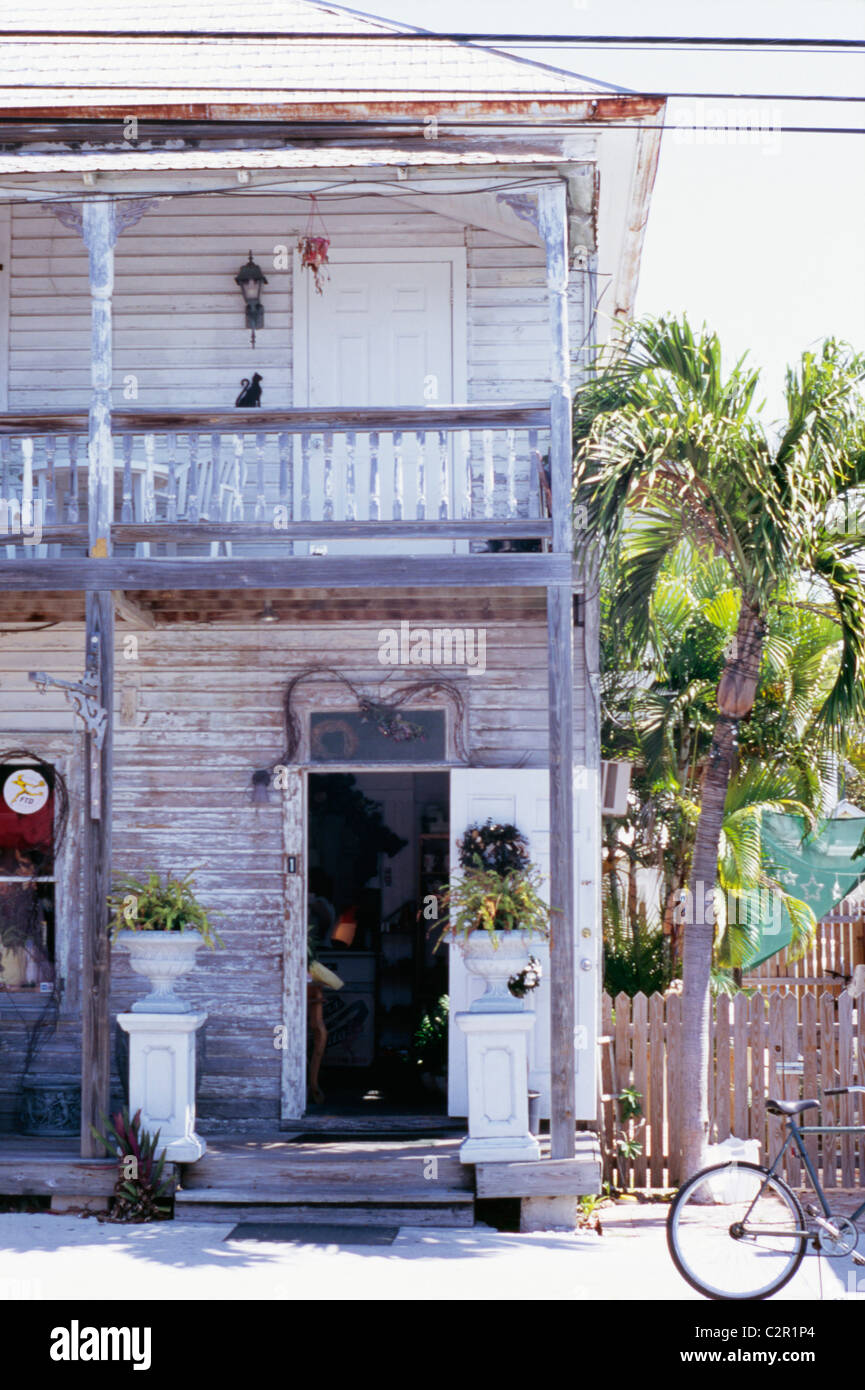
[(7, 496), (149, 500), (534, 488), (489, 472), (72, 494), (286, 481), (260, 499), (465, 445), (126, 503), (305, 514), (420, 437), (397, 513), (374, 478), (239, 480), (28, 502), (350, 487), (327, 444), (193, 508), (444, 476), (148, 495), (171, 494), (50, 481), (512, 472)]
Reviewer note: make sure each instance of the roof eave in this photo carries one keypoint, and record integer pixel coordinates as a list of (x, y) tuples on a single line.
[(256, 106)]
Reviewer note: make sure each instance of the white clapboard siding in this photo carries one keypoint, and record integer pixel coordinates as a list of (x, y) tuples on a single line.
[(179, 333)]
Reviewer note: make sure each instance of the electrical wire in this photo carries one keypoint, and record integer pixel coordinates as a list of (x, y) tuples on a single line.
[(615, 42)]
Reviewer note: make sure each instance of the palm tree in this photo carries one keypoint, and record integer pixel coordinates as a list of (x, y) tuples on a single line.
[(668, 447), (660, 712)]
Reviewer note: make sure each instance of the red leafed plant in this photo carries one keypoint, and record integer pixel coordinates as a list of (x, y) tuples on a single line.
[(313, 256), (141, 1193), (313, 246)]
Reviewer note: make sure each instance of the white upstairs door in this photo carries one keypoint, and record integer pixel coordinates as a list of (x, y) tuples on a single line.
[(388, 330), (521, 797)]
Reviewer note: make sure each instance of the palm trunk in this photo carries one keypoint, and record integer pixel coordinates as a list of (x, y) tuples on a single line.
[(736, 692), (699, 936)]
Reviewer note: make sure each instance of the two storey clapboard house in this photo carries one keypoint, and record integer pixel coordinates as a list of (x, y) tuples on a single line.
[(296, 647)]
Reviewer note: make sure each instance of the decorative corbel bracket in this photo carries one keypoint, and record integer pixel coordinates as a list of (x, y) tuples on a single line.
[(125, 213)]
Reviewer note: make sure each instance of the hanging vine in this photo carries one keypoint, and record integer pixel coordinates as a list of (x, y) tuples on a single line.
[(385, 713)]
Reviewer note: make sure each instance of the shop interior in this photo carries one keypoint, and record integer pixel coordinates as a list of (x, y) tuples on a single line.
[(378, 860)]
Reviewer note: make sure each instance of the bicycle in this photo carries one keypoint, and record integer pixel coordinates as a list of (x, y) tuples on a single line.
[(737, 1231)]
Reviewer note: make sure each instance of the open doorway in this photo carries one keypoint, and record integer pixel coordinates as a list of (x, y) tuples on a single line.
[(378, 853)]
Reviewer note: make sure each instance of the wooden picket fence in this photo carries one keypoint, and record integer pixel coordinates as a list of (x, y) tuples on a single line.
[(827, 964), (789, 1045)]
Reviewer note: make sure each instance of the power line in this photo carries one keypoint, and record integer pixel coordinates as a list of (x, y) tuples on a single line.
[(614, 41)]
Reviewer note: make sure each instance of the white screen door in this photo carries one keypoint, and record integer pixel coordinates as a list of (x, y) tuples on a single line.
[(388, 330), (520, 796)]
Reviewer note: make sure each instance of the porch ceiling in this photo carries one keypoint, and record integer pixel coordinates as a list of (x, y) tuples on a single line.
[(167, 607)]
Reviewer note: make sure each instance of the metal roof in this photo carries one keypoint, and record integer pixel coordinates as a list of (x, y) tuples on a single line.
[(38, 71), (297, 16)]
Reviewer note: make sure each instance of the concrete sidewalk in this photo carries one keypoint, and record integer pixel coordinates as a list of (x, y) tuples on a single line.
[(67, 1257)]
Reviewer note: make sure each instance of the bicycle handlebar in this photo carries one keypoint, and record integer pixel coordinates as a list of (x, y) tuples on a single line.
[(844, 1091)]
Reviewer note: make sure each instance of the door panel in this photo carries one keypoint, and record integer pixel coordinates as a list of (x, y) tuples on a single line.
[(382, 333), (520, 796), (293, 1039)]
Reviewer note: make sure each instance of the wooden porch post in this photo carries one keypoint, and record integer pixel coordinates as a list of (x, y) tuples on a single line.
[(553, 224), (99, 231)]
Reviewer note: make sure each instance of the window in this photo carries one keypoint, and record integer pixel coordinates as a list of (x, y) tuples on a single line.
[(27, 882), (400, 736)]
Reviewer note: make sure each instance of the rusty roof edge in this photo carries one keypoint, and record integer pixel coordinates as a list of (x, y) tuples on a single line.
[(263, 106)]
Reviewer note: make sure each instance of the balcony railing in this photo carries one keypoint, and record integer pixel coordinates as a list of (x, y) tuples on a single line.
[(196, 480)]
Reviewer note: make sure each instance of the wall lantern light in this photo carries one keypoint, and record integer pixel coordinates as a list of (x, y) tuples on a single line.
[(268, 614), (260, 790), (250, 278)]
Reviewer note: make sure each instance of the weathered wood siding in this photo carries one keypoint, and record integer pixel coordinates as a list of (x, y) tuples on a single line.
[(179, 335), (197, 710)]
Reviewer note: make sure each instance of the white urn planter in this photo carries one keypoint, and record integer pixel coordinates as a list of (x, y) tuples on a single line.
[(162, 957), (497, 1027), (495, 957)]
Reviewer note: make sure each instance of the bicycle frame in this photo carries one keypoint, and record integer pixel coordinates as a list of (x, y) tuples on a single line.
[(794, 1137)]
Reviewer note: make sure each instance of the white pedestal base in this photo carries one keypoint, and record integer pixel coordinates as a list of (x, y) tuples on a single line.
[(162, 1080), (497, 1058)]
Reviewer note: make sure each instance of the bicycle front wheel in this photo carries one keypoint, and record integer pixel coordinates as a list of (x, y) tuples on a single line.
[(735, 1232)]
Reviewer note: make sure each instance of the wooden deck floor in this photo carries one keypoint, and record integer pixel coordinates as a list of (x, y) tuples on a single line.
[(272, 1175)]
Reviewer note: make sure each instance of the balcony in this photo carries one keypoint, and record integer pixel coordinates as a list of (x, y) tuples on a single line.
[(200, 484)]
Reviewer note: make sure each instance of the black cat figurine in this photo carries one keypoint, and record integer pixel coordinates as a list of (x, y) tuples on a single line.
[(251, 391)]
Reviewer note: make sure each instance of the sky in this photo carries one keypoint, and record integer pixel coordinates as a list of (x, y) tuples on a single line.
[(758, 233)]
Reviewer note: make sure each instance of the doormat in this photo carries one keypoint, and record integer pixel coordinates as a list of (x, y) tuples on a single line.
[(313, 1233), (366, 1136)]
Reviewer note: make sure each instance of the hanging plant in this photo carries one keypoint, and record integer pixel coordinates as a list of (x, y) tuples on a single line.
[(313, 246), (491, 846)]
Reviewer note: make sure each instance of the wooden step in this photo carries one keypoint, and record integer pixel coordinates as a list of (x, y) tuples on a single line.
[(448, 1177), (548, 1177), (368, 1206), (344, 1166), (41, 1177)]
